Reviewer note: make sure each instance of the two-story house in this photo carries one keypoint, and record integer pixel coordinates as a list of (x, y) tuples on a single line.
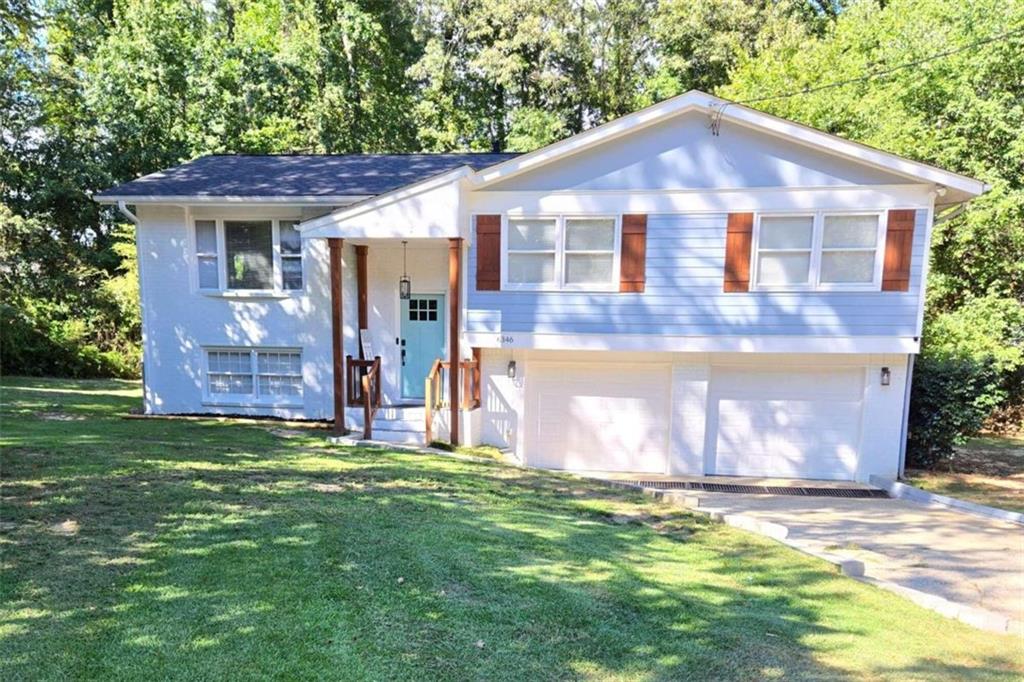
[(695, 288)]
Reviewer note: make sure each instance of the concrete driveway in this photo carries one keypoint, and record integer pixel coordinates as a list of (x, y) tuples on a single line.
[(961, 558)]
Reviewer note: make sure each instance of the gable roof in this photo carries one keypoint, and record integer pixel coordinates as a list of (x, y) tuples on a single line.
[(291, 177), (721, 109), (345, 179)]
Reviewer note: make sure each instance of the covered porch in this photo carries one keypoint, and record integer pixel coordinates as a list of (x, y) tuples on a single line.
[(397, 288)]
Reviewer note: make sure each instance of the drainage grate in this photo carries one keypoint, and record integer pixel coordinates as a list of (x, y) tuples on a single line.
[(761, 489)]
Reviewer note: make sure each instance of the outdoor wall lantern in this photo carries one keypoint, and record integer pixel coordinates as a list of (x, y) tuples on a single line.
[(886, 376), (404, 283), (511, 369)]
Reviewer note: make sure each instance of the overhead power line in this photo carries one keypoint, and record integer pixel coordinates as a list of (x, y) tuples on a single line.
[(886, 72), (716, 119)]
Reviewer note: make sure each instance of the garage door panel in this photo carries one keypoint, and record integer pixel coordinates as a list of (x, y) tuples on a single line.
[(598, 418), (842, 383), (792, 423)]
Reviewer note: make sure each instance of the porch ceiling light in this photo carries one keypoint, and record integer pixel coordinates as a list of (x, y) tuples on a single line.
[(404, 283)]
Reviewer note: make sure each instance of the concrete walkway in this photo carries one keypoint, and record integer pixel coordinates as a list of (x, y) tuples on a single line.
[(963, 559)]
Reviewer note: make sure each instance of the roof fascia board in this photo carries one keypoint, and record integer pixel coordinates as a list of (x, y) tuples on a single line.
[(381, 200), (227, 200)]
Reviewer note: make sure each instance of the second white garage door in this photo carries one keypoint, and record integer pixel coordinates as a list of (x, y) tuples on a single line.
[(798, 423), (606, 417)]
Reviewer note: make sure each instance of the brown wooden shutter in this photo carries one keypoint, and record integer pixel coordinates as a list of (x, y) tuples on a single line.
[(488, 252), (739, 234), (633, 266), (899, 245)]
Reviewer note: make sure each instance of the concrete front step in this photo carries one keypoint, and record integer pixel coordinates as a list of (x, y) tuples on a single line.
[(398, 436), (400, 418)]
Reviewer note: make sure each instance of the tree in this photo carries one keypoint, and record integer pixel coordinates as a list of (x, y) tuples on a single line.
[(963, 111)]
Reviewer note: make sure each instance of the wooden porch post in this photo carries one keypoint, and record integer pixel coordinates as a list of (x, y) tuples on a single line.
[(337, 335), (454, 305), (361, 251)]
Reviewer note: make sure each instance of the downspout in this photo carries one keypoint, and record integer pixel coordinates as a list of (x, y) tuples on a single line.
[(905, 427), (957, 210), (949, 214), (123, 208)]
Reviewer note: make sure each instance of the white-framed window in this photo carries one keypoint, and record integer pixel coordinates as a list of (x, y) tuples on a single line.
[(822, 250), (291, 255), (207, 260), (248, 255), (561, 252), (269, 376)]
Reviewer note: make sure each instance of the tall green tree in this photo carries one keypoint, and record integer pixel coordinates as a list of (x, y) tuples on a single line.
[(700, 42), (963, 111), (490, 70)]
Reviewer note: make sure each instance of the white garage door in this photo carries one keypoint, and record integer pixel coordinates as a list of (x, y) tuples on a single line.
[(597, 417), (799, 423)]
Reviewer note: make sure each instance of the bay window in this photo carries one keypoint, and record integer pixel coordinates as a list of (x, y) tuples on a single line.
[(248, 255), (561, 252), (823, 250)]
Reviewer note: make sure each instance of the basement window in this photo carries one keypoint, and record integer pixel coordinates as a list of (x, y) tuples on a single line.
[(254, 376)]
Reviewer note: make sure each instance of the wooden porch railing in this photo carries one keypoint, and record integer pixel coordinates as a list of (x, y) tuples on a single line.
[(436, 388), (363, 377)]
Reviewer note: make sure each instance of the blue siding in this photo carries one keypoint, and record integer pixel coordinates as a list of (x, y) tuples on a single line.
[(685, 262), (681, 153)]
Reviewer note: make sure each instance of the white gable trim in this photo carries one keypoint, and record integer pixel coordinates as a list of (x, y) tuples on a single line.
[(327, 225), (695, 100), (435, 201)]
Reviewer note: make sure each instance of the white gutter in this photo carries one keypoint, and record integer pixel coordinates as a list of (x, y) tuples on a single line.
[(905, 425), (228, 200), (123, 208)]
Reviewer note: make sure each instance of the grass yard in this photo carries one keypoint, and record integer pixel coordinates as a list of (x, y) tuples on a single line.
[(200, 550), (988, 470)]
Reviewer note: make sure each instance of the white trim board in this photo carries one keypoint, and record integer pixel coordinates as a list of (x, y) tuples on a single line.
[(693, 344), (731, 200), (318, 227)]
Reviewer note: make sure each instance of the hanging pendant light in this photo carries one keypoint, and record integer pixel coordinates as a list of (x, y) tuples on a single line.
[(404, 283)]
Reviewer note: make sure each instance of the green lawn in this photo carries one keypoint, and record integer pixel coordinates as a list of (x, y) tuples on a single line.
[(988, 470), (199, 550)]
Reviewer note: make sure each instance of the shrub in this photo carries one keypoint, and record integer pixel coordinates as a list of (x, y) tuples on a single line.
[(949, 402), (35, 341), (970, 367)]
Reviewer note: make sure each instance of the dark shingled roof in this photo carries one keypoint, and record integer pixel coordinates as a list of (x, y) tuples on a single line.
[(298, 175)]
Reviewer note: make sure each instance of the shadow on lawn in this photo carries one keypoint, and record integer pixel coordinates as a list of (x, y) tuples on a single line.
[(236, 554)]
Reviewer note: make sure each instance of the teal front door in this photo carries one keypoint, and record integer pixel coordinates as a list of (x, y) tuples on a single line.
[(422, 340)]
